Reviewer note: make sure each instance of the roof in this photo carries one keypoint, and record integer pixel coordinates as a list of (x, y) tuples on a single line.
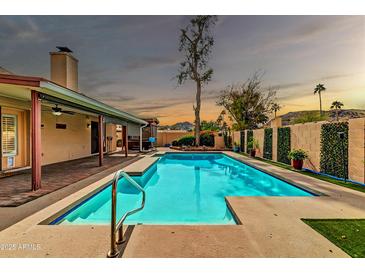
[(50, 88)]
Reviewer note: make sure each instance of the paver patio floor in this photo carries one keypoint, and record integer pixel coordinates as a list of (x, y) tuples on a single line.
[(16, 190)]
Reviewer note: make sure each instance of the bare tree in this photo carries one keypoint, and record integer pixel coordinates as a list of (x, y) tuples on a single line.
[(196, 41)]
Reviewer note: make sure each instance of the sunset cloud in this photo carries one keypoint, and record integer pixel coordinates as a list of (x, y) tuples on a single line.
[(130, 61)]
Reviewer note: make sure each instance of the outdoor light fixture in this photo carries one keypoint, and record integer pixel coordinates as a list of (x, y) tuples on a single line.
[(88, 125)]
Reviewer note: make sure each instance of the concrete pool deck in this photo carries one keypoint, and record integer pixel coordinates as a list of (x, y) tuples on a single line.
[(271, 226)]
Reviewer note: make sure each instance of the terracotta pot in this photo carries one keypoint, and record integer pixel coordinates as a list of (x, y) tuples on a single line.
[(253, 152), (298, 164)]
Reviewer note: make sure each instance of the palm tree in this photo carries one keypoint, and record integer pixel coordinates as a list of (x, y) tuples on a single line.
[(275, 108), (318, 89), (336, 105)]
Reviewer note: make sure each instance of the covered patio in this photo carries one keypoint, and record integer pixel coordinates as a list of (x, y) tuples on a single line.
[(62, 136), (16, 189)]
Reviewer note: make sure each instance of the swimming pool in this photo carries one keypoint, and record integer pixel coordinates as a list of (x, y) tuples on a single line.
[(182, 188)]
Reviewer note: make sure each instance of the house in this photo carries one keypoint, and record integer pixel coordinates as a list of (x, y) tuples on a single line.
[(49, 121)]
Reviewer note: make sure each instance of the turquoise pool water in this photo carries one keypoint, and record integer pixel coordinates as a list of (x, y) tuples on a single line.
[(182, 189)]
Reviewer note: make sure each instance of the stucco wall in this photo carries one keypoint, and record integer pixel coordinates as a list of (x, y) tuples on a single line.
[(236, 138), (258, 135), (274, 143), (65, 144), (219, 141), (308, 137), (74, 141), (357, 149), (166, 137)]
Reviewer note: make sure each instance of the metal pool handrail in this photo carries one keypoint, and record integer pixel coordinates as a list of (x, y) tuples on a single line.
[(118, 227)]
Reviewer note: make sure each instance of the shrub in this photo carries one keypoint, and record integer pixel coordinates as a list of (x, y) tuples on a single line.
[(332, 161), (297, 154), (174, 143), (187, 140), (249, 141), (253, 144), (268, 143), (207, 139), (283, 145)]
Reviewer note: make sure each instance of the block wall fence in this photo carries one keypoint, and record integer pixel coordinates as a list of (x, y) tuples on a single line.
[(308, 137)]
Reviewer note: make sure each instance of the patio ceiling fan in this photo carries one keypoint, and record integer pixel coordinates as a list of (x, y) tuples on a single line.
[(57, 111)]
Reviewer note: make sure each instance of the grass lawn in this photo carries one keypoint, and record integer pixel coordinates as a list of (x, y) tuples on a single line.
[(347, 234), (317, 176)]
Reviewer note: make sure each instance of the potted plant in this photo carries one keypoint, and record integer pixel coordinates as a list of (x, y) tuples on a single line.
[(254, 144), (297, 156)]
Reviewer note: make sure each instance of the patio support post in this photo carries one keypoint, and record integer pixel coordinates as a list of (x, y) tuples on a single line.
[(100, 139), (36, 140), (125, 140)]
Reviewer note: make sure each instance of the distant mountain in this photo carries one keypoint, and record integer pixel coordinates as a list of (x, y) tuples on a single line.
[(4, 71), (343, 114), (178, 126)]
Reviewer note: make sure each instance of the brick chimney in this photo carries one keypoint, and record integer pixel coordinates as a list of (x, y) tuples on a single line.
[(64, 68)]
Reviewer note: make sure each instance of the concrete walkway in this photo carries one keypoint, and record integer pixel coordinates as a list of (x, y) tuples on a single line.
[(271, 226)]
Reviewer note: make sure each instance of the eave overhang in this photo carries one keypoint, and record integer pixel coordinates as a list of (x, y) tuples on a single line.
[(49, 88)]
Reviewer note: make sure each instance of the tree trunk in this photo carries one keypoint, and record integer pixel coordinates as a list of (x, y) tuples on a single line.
[(197, 113), (336, 114), (320, 104)]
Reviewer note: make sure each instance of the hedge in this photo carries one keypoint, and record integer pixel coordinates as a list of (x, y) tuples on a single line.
[(283, 145), (268, 143), (249, 140), (206, 139), (187, 140), (332, 160)]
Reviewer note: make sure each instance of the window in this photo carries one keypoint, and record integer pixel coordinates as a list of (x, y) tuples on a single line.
[(9, 134)]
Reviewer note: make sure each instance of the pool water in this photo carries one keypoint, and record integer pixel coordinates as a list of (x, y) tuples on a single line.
[(182, 189)]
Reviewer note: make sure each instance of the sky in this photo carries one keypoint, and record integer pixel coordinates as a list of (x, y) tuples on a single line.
[(130, 62)]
